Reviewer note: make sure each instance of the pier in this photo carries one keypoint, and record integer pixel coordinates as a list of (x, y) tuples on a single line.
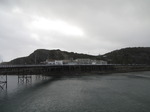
[(48, 69), (25, 72)]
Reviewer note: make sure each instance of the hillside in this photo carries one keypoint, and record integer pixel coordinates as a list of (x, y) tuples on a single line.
[(136, 55), (41, 55)]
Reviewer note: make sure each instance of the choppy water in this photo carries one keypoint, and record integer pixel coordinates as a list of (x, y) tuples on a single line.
[(119, 92)]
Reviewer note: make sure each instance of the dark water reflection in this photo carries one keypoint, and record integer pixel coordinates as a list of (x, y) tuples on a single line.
[(120, 92)]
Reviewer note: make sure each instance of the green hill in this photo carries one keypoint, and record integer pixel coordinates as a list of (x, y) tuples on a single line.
[(41, 55), (136, 55)]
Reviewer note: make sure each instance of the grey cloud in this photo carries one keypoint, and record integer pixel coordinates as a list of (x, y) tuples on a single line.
[(107, 25)]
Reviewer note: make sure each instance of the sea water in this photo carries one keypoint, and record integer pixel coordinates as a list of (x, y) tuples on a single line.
[(117, 92)]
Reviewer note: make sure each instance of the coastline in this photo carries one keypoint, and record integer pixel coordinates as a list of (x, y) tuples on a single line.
[(117, 69)]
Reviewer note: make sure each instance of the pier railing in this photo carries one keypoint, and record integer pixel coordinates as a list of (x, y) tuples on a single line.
[(40, 69)]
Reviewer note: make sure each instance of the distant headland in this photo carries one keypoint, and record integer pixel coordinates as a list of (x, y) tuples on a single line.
[(126, 56)]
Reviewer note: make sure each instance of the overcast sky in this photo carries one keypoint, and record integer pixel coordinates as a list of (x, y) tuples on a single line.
[(83, 26)]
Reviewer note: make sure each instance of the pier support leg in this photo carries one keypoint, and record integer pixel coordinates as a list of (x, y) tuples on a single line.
[(27, 79), (41, 77), (3, 82)]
